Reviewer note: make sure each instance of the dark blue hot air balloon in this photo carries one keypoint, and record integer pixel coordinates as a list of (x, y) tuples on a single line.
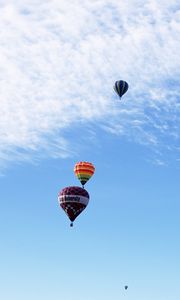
[(126, 287), (121, 87)]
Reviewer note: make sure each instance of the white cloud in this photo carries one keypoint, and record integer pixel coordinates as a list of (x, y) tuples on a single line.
[(59, 60)]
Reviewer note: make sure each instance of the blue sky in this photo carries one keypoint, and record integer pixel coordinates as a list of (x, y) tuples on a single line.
[(59, 62)]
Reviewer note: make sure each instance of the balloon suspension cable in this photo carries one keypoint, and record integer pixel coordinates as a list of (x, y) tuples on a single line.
[(71, 225)]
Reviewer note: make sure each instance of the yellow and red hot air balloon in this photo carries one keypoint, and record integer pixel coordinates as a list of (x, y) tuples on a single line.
[(84, 170)]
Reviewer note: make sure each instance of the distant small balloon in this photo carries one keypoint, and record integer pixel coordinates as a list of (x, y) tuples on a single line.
[(121, 87), (126, 287)]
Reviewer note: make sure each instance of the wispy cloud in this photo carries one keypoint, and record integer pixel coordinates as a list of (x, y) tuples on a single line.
[(59, 61)]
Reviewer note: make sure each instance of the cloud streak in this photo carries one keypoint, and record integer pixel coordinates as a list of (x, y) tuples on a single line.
[(59, 62)]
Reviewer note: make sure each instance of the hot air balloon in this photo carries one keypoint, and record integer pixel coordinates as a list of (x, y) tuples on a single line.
[(84, 170), (73, 200), (121, 87), (126, 287)]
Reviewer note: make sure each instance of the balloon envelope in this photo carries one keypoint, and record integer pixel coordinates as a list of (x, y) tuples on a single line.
[(121, 87), (84, 170), (73, 200)]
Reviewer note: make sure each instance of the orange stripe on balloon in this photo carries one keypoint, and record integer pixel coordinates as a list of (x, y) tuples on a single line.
[(84, 171)]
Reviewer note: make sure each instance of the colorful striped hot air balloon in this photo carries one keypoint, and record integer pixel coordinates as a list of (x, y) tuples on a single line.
[(84, 170), (73, 200)]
